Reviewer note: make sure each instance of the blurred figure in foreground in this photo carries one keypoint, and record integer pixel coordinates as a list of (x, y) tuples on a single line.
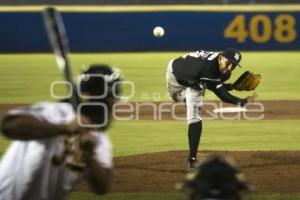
[(216, 178), (54, 146)]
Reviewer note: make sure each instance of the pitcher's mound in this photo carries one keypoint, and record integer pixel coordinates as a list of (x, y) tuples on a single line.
[(158, 172)]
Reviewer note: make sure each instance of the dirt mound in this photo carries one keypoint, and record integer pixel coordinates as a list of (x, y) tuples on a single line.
[(269, 172), (158, 172)]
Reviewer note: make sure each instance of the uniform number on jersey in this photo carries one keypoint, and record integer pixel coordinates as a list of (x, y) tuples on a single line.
[(260, 28)]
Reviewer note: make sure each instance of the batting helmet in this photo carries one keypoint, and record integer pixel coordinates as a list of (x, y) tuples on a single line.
[(99, 85)]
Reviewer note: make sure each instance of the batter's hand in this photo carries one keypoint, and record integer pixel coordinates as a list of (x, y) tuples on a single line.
[(74, 127), (88, 142), (85, 151), (252, 99)]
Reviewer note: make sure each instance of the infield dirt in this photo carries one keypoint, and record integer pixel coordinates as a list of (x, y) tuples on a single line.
[(268, 172)]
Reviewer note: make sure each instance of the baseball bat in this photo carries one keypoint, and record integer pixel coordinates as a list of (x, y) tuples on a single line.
[(59, 41), (56, 32)]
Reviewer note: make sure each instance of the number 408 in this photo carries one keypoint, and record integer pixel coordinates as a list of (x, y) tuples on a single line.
[(284, 29)]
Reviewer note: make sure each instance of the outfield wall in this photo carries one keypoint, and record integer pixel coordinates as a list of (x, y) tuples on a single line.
[(141, 2), (92, 29)]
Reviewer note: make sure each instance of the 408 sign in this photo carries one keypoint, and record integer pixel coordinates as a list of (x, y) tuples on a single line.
[(262, 28)]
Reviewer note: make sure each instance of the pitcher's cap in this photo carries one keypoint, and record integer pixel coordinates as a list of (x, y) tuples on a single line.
[(233, 55)]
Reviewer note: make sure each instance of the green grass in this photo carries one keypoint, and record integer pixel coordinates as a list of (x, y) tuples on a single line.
[(26, 78), (4, 142), (173, 196), (268, 135), (131, 137), (126, 196)]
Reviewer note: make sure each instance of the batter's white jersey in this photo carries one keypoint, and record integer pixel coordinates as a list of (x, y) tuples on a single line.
[(26, 170)]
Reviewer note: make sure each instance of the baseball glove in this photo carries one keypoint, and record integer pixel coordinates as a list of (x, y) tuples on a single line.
[(247, 81)]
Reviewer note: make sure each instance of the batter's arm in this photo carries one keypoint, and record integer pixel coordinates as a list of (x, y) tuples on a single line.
[(27, 127), (98, 177), (98, 174)]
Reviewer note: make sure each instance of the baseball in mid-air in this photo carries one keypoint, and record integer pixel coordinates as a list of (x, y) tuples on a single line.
[(158, 31)]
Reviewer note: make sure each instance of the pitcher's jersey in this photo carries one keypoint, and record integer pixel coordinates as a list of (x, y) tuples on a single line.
[(200, 70), (196, 67), (26, 169)]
